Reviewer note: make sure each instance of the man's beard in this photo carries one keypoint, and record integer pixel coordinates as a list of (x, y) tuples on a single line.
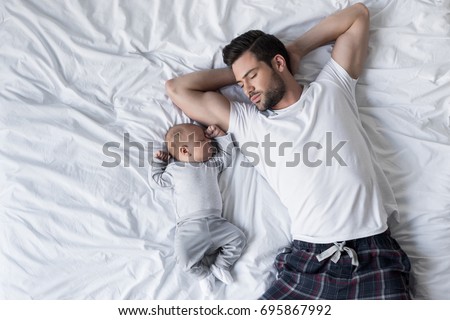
[(274, 94)]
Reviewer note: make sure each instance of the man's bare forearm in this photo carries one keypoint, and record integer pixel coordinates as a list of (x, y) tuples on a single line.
[(196, 94), (203, 81), (327, 30)]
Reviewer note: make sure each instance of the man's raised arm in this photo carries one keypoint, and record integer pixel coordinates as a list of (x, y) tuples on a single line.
[(196, 94), (349, 28)]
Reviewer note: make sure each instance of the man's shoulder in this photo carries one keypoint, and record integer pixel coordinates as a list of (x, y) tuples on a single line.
[(333, 75), (241, 104), (243, 108), (335, 72)]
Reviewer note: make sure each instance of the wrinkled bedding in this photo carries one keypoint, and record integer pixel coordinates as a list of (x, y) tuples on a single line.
[(83, 106)]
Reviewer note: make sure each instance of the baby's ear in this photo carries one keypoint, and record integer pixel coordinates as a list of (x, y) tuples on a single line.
[(184, 150)]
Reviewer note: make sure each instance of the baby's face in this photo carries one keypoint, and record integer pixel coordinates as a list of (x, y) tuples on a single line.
[(200, 147)]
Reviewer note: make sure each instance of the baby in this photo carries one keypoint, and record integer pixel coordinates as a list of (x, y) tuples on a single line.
[(193, 175)]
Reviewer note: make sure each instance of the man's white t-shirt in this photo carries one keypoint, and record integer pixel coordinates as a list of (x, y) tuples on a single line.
[(316, 155)]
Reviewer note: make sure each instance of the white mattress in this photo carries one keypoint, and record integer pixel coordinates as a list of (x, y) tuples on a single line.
[(75, 76)]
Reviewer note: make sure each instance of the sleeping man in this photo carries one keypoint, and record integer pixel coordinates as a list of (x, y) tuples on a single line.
[(338, 197), (193, 177)]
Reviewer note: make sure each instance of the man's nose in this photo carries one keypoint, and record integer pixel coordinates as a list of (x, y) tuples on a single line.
[(249, 88)]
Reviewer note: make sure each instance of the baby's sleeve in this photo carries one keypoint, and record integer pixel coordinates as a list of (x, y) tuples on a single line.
[(159, 175), (224, 153)]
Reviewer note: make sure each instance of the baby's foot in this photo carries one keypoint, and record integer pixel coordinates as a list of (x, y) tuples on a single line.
[(222, 274)]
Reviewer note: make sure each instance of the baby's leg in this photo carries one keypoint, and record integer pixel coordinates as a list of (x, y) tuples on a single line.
[(230, 241), (191, 243)]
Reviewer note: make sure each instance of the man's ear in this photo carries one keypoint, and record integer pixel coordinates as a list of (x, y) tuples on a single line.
[(279, 63)]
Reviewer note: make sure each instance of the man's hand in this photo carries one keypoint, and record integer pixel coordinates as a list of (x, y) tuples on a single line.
[(294, 56), (162, 155), (213, 131)]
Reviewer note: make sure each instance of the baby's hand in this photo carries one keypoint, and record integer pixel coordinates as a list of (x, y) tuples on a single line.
[(162, 155), (213, 131)]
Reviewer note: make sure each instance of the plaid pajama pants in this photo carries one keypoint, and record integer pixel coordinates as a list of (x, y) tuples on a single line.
[(381, 272)]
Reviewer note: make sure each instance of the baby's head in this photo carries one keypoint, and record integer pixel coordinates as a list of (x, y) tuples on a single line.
[(187, 143)]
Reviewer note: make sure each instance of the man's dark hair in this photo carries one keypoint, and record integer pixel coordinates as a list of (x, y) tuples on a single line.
[(264, 46)]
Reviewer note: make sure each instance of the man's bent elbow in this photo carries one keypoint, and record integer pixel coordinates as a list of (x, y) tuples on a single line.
[(363, 10), (178, 95), (171, 87)]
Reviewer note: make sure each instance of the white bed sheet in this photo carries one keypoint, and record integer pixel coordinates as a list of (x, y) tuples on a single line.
[(77, 75)]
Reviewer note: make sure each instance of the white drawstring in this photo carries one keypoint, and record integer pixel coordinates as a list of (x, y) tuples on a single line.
[(335, 253)]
